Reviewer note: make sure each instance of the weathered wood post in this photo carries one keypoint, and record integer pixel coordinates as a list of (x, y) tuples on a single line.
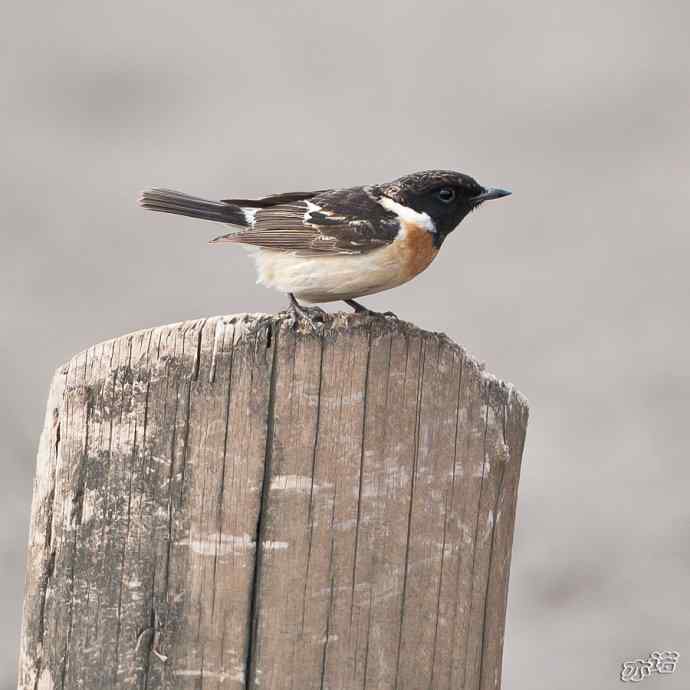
[(230, 503)]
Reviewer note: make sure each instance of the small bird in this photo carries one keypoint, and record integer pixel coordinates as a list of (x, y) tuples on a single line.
[(340, 244)]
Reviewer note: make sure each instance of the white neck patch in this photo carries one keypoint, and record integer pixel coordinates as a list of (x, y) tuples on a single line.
[(407, 214)]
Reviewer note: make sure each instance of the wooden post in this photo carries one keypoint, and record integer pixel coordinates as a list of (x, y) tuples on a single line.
[(231, 503)]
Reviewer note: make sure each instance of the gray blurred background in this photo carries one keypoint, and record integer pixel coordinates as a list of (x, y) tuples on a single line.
[(575, 289)]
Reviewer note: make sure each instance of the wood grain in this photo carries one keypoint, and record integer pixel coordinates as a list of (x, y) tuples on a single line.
[(235, 503)]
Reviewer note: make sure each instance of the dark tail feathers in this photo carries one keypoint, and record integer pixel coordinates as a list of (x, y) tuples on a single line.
[(169, 201)]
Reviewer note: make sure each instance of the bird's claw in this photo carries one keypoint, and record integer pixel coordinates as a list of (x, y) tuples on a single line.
[(361, 309), (312, 315)]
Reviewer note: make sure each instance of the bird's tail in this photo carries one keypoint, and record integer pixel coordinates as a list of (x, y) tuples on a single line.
[(169, 201)]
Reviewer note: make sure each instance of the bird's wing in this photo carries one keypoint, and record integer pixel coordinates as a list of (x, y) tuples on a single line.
[(275, 199), (331, 222)]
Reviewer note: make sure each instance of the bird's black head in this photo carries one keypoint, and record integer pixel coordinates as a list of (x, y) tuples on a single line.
[(444, 195)]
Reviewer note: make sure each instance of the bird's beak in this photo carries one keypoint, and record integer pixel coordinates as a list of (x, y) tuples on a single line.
[(490, 193)]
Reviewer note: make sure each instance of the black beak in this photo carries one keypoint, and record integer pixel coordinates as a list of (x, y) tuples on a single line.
[(490, 193)]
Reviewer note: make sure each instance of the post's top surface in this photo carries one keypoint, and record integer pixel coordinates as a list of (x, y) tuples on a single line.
[(246, 325)]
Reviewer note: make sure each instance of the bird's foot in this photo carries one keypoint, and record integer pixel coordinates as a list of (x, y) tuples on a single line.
[(361, 309), (312, 315)]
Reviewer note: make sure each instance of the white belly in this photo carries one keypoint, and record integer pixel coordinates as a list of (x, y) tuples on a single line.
[(330, 278)]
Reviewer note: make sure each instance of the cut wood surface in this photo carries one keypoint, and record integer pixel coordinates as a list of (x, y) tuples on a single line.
[(234, 503)]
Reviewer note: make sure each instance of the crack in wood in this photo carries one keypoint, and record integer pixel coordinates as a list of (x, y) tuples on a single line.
[(254, 602)]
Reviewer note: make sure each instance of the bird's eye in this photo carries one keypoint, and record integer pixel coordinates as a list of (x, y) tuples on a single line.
[(446, 195)]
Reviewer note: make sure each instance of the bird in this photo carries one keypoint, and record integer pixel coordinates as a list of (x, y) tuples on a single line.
[(342, 243)]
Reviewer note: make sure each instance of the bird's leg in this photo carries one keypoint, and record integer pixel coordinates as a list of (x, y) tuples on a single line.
[(309, 314), (361, 309)]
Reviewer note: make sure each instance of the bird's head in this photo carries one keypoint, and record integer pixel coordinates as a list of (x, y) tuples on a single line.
[(444, 195)]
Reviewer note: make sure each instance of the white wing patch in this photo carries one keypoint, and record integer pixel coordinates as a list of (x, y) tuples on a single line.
[(310, 209), (250, 215), (408, 215), (315, 208)]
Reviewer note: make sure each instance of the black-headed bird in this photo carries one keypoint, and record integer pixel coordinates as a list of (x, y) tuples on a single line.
[(340, 244)]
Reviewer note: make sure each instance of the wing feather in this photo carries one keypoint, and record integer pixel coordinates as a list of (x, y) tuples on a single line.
[(307, 228), (275, 199)]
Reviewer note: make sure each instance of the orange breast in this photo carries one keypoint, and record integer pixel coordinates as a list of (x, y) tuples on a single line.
[(415, 250)]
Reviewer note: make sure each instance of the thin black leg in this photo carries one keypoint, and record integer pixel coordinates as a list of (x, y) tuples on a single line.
[(310, 314)]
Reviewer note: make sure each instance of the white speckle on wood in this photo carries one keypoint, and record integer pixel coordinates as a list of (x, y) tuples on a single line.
[(45, 682), (237, 674), (134, 583), (274, 545), (219, 544), (89, 505), (294, 482)]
